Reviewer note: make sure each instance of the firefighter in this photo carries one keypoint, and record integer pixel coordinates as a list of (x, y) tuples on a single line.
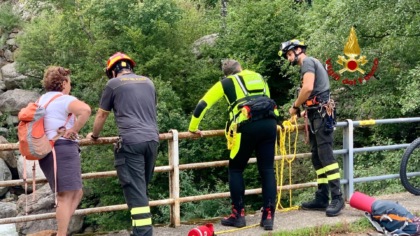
[(248, 130), (133, 99), (314, 96)]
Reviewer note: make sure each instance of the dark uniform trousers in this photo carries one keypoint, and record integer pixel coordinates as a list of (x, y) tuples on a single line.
[(260, 136), (326, 166), (135, 165)]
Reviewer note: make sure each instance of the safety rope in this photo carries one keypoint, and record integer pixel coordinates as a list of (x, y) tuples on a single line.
[(329, 107), (285, 133), (233, 230)]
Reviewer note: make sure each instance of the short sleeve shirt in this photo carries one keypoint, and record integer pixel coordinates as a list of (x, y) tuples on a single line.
[(322, 82), (57, 113), (133, 100)]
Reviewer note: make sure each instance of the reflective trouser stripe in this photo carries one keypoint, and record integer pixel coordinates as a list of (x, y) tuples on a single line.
[(320, 171), (322, 181), (333, 176), (140, 210), (141, 216), (331, 167), (142, 222), (322, 174)]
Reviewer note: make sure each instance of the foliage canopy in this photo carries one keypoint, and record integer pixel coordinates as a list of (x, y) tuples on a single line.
[(159, 35)]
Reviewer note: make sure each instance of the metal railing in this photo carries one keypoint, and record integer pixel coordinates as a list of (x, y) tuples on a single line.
[(174, 169)]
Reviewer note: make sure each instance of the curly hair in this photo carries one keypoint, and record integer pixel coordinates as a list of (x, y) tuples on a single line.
[(54, 77)]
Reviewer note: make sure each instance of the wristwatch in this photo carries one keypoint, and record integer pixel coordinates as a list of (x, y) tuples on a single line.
[(296, 108), (94, 137)]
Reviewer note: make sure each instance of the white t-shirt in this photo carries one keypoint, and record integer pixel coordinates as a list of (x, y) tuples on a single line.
[(56, 113)]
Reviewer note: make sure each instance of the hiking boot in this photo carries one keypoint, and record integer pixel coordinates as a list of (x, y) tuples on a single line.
[(267, 219), (235, 219), (337, 204), (320, 203)]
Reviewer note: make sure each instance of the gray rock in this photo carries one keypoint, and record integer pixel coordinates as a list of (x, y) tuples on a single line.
[(12, 78), (5, 174), (8, 209), (8, 156), (8, 55), (208, 40), (29, 172), (43, 203), (13, 100)]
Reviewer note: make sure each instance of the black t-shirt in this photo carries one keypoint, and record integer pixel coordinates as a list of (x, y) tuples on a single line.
[(133, 100)]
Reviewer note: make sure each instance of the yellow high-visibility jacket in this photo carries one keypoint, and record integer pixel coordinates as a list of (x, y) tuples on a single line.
[(237, 89)]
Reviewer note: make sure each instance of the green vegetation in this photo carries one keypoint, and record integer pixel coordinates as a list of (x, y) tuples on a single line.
[(8, 18), (159, 35), (360, 226)]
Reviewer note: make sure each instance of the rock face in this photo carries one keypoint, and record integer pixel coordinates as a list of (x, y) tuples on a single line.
[(208, 40)]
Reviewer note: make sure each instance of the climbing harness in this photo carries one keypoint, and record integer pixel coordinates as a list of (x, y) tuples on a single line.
[(327, 112), (281, 149)]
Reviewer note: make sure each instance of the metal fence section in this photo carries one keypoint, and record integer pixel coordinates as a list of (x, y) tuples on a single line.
[(174, 168)]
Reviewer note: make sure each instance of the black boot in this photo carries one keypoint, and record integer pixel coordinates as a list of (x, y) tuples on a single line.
[(267, 219), (236, 218), (337, 204), (320, 203)]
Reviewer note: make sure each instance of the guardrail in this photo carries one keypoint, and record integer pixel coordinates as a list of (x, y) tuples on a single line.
[(174, 169)]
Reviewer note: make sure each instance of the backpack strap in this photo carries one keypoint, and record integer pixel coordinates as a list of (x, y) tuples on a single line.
[(374, 223), (55, 176), (52, 99)]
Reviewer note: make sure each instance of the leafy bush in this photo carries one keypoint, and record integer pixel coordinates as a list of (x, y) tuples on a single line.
[(9, 19)]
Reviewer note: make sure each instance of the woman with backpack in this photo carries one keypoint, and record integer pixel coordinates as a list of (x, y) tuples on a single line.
[(64, 117)]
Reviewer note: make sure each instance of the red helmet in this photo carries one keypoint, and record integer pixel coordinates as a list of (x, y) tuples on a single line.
[(112, 61)]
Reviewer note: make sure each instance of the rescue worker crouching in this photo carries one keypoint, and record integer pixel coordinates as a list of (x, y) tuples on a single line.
[(314, 96), (252, 127)]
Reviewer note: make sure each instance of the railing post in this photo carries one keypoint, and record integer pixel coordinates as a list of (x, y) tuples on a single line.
[(173, 151), (348, 159)]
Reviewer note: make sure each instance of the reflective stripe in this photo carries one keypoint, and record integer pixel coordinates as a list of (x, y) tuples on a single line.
[(140, 210), (331, 167), (142, 222), (320, 171), (322, 181), (241, 85), (333, 176)]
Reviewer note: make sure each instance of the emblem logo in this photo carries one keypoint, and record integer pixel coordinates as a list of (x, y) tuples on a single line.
[(352, 62)]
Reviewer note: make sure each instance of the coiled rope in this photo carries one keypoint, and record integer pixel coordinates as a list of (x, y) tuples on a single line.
[(281, 149)]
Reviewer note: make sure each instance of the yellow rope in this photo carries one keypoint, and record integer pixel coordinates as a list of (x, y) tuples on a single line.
[(285, 133), (233, 230)]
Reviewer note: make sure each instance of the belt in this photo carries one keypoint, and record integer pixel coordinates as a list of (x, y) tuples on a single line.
[(311, 102)]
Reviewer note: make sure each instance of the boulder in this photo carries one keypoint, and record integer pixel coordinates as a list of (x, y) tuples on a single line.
[(29, 172), (8, 209), (5, 175), (208, 40), (8, 156), (44, 203), (13, 100), (13, 79)]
